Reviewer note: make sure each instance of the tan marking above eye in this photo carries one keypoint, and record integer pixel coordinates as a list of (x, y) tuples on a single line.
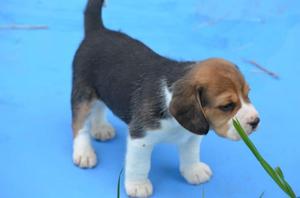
[(225, 99), (245, 92), (246, 89)]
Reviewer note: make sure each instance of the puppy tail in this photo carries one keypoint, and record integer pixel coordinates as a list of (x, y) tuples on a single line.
[(92, 16)]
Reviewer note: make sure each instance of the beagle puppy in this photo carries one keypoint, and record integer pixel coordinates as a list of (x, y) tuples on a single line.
[(161, 100)]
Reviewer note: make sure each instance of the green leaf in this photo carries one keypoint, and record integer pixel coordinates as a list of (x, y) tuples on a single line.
[(279, 172), (289, 189), (276, 174), (119, 183)]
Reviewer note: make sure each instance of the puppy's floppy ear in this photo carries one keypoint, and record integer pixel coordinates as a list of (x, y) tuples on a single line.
[(186, 107)]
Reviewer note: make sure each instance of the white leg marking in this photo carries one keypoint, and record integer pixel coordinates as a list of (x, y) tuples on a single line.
[(83, 153), (101, 128), (194, 171), (138, 161)]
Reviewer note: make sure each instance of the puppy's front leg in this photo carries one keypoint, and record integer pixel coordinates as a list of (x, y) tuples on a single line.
[(194, 171), (138, 161)]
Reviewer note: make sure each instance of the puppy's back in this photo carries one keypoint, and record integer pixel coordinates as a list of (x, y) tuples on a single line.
[(116, 65)]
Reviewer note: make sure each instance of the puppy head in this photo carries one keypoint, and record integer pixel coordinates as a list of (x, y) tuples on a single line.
[(211, 94)]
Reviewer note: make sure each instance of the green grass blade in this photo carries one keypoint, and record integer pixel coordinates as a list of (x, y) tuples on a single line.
[(244, 136), (276, 174), (279, 172), (289, 189), (265, 165), (119, 183)]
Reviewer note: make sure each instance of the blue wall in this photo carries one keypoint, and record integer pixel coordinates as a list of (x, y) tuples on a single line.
[(35, 76)]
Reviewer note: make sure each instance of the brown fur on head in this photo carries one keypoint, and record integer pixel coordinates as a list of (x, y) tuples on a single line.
[(210, 95)]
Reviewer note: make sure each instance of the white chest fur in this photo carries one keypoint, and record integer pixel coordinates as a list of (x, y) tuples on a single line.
[(170, 131)]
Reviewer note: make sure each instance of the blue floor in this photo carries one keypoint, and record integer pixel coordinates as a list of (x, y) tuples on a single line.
[(35, 83)]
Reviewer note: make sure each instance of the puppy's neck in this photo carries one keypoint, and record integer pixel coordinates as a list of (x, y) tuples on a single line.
[(177, 71)]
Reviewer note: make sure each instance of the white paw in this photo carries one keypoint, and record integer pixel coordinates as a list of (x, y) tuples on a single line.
[(103, 132), (140, 189), (197, 173), (84, 157)]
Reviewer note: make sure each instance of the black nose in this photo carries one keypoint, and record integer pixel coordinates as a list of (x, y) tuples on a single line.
[(254, 123)]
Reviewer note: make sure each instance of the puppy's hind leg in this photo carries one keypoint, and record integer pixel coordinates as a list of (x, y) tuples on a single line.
[(101, 129), (83, 153)]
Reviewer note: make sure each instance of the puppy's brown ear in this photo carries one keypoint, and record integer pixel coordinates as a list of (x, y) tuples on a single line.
[(186, 107)]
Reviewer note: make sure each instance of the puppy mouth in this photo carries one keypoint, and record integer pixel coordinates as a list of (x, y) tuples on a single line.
[(234, 138), (232, 134), (254, 129)]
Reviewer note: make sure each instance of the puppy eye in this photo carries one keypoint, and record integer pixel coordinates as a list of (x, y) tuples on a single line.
[(228, 107)]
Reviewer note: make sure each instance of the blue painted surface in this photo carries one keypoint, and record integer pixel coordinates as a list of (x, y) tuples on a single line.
[(35, 76)]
